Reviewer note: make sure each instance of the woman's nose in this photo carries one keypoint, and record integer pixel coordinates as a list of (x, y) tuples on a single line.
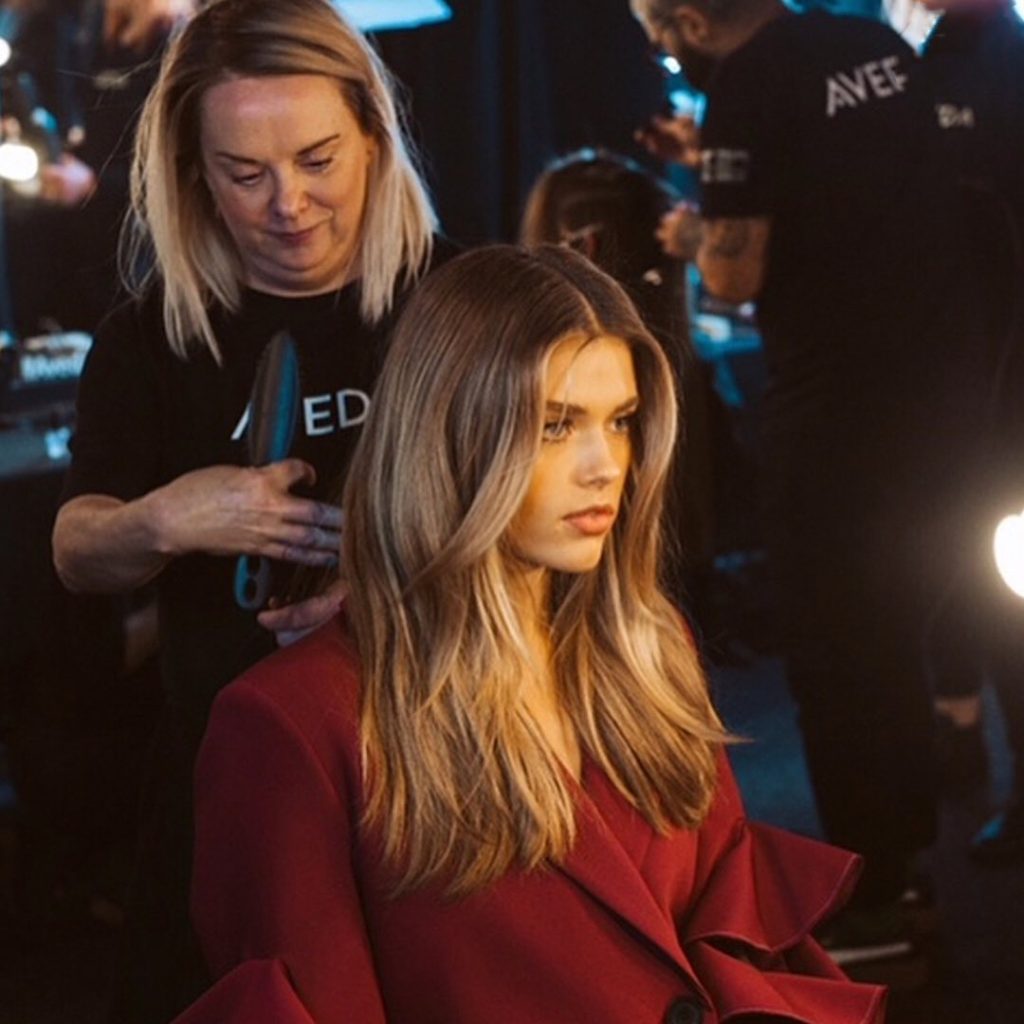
[(289, 195), (599, 465)]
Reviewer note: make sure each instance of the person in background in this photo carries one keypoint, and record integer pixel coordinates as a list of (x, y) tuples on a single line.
[(494, 788), (610, 209), (272, 190), (821, 201), (138, 24), (974, 61), (76, 101)]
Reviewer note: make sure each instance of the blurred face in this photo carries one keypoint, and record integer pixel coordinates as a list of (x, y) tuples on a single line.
[(682, 35), (590, 396), (287, 165)]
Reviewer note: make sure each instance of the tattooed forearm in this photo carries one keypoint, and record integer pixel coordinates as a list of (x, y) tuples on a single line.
[(732, 256), (726, 239)]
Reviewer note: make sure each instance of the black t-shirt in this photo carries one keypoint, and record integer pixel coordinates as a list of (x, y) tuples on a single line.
[(822, 124), (974, 59), (145, 417)]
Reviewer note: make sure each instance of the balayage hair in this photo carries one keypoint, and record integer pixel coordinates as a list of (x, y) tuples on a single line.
[(174, 220), (460, 781)]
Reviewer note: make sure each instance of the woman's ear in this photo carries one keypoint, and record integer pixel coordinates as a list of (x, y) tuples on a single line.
[(693, 25)]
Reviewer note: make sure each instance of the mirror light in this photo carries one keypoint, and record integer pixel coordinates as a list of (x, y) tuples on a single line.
[(18, 162), (1009, 551)]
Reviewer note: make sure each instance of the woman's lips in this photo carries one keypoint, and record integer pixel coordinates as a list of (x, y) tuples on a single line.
[(592, 522), (295, 238)]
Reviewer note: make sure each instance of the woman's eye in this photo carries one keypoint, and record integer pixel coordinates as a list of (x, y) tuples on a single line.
[(247, 180), (557, 430), (316, 166), (623, 424)]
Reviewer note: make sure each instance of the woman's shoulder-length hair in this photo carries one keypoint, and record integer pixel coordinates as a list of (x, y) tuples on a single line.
[(459, 784), (173, 234)]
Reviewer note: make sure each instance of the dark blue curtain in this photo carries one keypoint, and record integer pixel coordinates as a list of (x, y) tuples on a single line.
[(506, 85)]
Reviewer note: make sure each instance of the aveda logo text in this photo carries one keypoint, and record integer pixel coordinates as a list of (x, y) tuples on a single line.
[(322, 414), (875, 80)]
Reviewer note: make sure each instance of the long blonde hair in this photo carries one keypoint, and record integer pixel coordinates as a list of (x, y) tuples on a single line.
[(460, 783), (174, 221)]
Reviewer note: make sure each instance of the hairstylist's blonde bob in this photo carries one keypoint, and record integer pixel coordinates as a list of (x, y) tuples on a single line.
[(174, 233)]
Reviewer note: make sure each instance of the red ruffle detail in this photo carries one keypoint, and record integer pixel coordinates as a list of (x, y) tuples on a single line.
[(254, 992), (748, 936)]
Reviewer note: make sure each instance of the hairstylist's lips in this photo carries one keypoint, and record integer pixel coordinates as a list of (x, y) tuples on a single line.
[(592, 521), (296, 238)]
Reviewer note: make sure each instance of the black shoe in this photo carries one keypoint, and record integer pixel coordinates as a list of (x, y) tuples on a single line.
[(1001, 840), (960, 754)]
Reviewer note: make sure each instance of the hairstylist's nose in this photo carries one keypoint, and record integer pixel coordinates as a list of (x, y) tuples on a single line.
[(289, 195)]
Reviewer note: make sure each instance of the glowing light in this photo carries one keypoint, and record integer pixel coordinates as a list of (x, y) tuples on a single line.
[(673, 67), (5, 51), (1009, 551), (18, 162), (377, 15)]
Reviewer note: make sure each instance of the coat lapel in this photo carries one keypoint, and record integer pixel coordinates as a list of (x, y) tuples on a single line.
[(600, 865)]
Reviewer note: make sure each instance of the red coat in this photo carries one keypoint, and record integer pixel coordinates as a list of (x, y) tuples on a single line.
[(291, 907)]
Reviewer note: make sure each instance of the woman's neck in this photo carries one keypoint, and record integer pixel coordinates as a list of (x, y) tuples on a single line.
[(542, 695)]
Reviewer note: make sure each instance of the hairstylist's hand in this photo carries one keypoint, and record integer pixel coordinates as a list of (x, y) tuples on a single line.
[(292, 622), (231, 510), (138, 24), (676, 139), (679, 231)]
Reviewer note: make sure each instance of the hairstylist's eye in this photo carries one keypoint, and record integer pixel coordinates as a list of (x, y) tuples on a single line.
[(247, 180), (318, 166)]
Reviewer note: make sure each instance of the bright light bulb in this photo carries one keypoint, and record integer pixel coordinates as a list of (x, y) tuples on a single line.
[(5, 51), (1009, 552), (18, 162)]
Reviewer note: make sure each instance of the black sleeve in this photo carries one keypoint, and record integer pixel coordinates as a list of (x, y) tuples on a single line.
[(115, 447), (739, 139)]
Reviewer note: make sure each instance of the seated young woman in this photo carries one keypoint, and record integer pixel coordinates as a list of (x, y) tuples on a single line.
[(494, 788)]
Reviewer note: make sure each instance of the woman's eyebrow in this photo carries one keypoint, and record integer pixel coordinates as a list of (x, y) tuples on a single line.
[(568, 409), (305, 151)]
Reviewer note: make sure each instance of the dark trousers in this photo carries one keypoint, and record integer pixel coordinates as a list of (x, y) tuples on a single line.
[(847, 558), (976, 635)]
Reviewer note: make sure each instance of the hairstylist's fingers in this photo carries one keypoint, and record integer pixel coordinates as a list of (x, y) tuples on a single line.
[(289, 473), (307, 536), (329, 515), (313, 513), (300, 554), (304, 615)]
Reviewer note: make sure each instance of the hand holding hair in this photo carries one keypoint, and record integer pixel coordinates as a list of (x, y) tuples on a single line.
[(676, 139), (292, 622), (679, 231), (232, 510)]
